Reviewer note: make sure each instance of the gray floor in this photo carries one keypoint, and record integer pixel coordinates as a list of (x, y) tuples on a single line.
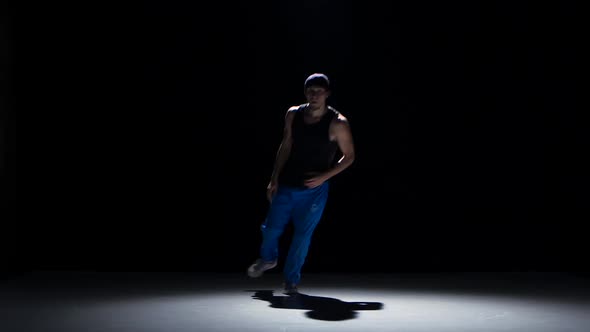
[(472, 302)]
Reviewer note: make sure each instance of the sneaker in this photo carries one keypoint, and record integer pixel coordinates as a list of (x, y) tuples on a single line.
[(257, 269), (290, 289)]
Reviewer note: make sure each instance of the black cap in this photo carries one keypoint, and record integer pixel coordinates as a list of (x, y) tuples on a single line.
[(317, 79)]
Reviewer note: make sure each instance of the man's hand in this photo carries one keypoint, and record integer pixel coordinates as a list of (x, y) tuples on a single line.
[(315, 181), (271, 190)]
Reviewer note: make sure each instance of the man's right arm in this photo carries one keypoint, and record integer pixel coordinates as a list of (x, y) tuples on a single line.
[(285, 147), (282, 154)]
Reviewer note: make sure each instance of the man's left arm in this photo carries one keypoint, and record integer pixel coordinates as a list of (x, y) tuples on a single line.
[(345, 142), (343, 136)]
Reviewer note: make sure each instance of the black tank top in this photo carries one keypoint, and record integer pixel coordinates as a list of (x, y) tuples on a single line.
[(312, 151)]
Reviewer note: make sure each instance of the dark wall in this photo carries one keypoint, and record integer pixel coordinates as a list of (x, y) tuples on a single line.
[(154, 134), (8, 239)]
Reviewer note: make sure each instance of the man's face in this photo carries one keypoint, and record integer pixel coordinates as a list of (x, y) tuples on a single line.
[(316, 95)]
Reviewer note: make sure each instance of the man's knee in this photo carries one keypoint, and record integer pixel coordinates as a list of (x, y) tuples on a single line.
[(269, 229)]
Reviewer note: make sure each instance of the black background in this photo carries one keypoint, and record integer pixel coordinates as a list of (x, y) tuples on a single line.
[(148, 134)]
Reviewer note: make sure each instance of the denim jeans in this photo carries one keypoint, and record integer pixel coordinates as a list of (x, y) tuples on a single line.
[(302, 206)]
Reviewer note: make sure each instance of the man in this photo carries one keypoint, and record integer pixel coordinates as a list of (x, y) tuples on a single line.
[(313, 134)]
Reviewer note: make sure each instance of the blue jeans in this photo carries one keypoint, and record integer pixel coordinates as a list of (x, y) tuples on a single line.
[(303, 206)]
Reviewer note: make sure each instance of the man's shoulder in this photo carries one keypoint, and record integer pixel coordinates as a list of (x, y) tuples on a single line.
[(292, 111), (296, 108), (337, 116)]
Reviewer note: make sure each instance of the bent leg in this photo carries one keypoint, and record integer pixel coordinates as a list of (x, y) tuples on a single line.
[(306, 215), (277, 218)]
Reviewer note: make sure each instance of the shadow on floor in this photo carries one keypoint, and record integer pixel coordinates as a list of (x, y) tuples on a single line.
[(320, 308)]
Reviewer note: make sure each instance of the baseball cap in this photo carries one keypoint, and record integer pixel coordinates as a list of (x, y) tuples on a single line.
[(317, 79)]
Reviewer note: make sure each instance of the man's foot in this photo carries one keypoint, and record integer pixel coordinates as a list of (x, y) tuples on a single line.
[(290, 289), (257, 269)]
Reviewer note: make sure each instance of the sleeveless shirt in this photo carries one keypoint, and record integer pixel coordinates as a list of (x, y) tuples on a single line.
[(312, 152)]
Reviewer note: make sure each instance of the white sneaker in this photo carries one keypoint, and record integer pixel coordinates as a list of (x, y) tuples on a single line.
[(257, 269)]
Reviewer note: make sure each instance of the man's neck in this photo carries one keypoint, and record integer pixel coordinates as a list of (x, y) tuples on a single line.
[(317, 111)]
